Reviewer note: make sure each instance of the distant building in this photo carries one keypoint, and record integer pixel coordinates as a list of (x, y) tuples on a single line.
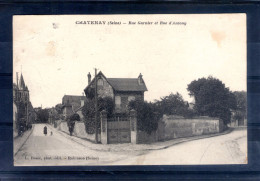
[(72, 104), (121, 90)]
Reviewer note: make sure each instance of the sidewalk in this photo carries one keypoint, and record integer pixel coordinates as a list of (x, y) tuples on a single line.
[(129, 147), (20, 140)]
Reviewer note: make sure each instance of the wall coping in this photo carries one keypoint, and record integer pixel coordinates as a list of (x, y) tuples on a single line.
[(174, 117)]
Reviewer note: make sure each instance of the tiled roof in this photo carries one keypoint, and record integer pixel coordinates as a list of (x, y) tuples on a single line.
[(72, 100), (126, 84)]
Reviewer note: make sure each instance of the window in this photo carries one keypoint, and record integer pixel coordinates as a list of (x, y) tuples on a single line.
[(131, 98), (100, 82), (118, 101)]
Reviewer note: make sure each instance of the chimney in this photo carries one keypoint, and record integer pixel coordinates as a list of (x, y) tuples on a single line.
[(89, 78), (140, 79)]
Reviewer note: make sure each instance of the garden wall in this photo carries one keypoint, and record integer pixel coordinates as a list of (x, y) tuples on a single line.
[(79, 130), (143, 137), (177, 127)]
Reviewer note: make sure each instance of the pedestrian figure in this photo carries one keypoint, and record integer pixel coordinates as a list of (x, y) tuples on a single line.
[(45, 130), (51, 133)]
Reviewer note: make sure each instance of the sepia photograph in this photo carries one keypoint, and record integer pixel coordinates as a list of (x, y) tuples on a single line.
[(153, 89)]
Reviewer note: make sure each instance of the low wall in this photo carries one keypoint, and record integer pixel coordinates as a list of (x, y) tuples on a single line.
[(176, 127), (79, 130), (143, 137)]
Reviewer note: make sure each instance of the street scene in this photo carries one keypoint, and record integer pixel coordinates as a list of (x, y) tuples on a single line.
[(230, 148), (149, 98)]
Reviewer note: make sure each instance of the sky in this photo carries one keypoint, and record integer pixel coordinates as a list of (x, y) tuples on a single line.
[(55, 53)]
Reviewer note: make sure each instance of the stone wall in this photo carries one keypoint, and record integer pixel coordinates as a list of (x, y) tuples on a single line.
[(106, 90), (143, 137), (79, 130), (62, 126), (125, 99), (171, 127)]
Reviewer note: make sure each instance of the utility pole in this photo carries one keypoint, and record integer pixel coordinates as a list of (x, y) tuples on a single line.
[(96, 107)]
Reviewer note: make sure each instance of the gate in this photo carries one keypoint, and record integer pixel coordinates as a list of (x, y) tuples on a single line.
[(118, 130)]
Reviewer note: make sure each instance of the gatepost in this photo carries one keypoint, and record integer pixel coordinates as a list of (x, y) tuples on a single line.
[(133, 126), (103, 116)]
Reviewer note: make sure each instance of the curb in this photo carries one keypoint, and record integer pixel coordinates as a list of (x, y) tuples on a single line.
[(24, 141), (181, 140), (229, 130)]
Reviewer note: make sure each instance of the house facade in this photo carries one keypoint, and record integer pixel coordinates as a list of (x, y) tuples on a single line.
[(121, 90), (72, 104)]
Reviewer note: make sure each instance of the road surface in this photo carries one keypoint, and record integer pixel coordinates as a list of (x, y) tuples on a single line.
[(225, 149), (59, 150)]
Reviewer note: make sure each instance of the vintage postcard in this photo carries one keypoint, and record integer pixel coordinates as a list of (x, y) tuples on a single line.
[(148, 89)]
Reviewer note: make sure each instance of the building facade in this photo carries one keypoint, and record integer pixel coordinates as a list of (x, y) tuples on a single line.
[(72, 104), (21, 98), (121, 90)]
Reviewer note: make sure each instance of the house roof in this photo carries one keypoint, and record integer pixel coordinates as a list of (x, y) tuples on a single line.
[(72, 100), (126, 84), (123, 84)]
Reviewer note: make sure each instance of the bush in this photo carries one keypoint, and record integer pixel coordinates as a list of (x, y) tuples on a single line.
[(88, 112), (71, 122), (147, 115), (75, 117)]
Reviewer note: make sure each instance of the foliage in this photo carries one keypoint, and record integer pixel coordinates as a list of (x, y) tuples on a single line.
[(88, 112), (71, 122), (90, 93), (21, 110), (58, 108), (173, 105), (43, 115), (212, 98), (74, 117), (147, 115), (241, 101)]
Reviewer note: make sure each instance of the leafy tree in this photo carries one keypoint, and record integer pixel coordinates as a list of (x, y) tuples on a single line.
[(241, 102), (88, 111), (71, 122), (212, 98), (58, 108), (172, 105), (21, 110), (43, 115), (75, 117), (147, 115)]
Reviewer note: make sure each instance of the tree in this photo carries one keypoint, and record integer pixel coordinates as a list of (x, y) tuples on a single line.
[(147, 115), (43, 115), (172, 105), (241, 102), (71, 122), (88, 112), (212, 98), (58, 108)]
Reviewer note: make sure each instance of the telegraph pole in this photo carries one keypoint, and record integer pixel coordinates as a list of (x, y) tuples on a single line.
[(96, 107)]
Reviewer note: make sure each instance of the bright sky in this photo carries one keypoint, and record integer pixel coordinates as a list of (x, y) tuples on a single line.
[(56, 54)]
